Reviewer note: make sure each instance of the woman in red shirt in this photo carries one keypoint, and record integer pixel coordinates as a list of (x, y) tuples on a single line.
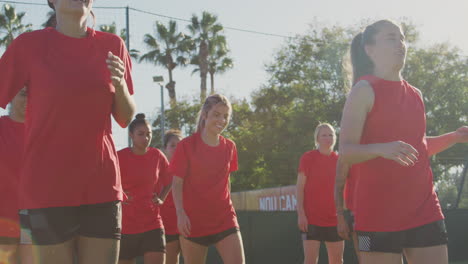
[(168, 211), (202, 164), (384, 128), (142, 169), (315, 203), (70, 181), (11, 146)]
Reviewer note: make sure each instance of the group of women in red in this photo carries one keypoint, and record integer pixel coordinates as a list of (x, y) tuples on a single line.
[(68, 196)]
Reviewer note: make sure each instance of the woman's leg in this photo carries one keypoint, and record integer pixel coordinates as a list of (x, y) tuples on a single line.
[(58, 253), (311, 251), (193, 253), (335, 252), (427, 255), (154, 258), (98, 250), (380, 258), (8, 253), (173, 252), (231, 249)]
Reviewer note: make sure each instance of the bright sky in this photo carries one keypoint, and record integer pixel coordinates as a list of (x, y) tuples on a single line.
[(438, 21)]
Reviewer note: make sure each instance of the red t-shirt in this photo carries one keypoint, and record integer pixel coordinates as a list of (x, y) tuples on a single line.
[(350, 187), (141, 174), (168, 211), (69, 156), (205, 171), (11, 148), (319, 189), (391, 197), (169, 216)]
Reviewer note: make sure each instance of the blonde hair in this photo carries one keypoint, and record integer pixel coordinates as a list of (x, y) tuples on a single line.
[(211, 101), (171, 133), (317, 131)]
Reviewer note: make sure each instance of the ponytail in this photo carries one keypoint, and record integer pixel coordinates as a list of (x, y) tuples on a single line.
[(361, 62)]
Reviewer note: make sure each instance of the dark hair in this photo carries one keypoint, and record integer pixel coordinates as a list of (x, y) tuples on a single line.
[(51, 21), (172, 133), (360, 61), (139, 120), (211, 101), (55, 17)]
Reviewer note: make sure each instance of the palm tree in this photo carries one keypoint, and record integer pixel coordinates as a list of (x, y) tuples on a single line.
[(204, 31), (168, 48), (218, 63), (112, 28), (11, 25), (218, 60)]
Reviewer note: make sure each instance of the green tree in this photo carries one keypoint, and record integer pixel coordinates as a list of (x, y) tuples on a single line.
[(11, 25), (206, 32), (182, 116), (305, 88), (218, 60), (168, 48), (463, 203)]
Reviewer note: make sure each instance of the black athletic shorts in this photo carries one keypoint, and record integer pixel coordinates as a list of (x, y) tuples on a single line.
[(171, 238), (321, 233), (9, 241), (213, 239), (432, 234), (55, 225), (134, 245)]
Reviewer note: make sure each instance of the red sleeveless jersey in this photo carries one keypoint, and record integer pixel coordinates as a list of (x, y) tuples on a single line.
[(391, 197)]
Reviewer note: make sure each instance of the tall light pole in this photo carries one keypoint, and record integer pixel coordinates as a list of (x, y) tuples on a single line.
[(160, 80)]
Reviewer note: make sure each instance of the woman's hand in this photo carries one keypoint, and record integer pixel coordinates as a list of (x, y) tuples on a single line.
[(462, 134), (342, 227), (117, 70), (183, 223), (398, 151), (302, 222)]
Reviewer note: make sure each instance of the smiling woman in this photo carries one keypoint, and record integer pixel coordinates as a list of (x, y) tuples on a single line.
[(202, 164)]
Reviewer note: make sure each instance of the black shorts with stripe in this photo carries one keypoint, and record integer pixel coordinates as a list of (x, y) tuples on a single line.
[(432, 234)]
